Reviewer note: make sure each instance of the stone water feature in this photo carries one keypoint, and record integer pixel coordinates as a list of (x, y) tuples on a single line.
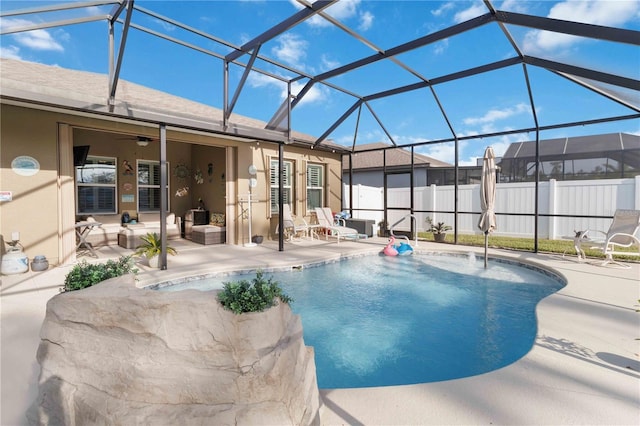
[(117, 354)]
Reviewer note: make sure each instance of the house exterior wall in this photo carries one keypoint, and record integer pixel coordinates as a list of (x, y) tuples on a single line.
[(43, 206), (375, 178), (34, 209), (265, 222)]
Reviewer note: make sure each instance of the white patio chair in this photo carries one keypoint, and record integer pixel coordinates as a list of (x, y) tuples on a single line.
[(621, 233), (326, 221), (293, 226)]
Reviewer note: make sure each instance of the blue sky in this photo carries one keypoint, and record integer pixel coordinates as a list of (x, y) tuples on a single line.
[(485, 103)]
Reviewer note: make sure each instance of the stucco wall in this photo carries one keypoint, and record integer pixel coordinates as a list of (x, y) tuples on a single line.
[(212, 190), (264, 222), (33, 210), (37, 205)]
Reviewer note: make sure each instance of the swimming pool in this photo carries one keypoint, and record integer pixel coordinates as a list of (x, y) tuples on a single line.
[(382, 321)]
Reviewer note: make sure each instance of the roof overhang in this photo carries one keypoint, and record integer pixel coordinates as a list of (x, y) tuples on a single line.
[(132, 114)]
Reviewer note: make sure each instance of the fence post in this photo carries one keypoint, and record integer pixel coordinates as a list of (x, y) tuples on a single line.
[(636, 182), (552, 209), (432, 199)]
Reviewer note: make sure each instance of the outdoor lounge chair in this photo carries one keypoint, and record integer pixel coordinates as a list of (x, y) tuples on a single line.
[(621, 233), (326, 221), (293, 226)]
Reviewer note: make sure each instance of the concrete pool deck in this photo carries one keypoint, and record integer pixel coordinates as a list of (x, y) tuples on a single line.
[(584, 367)]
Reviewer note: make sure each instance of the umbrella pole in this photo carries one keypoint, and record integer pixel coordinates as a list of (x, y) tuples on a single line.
[(486, 246)]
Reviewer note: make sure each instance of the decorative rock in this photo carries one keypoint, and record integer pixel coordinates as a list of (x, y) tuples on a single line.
[(116, 354)]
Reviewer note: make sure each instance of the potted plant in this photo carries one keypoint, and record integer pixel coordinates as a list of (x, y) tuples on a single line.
[(439, 230), (151, 248)]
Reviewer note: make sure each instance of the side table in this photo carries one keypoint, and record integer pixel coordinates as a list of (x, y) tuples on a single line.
[(82, 231)]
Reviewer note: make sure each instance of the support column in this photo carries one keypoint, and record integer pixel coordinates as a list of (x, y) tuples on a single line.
[(66, 197)]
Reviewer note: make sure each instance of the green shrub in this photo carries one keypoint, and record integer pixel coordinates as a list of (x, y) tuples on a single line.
[(255, 296), (87, 274)]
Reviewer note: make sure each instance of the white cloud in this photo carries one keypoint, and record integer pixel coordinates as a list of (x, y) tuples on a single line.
[(165, 25), (518, 6), (440, 47), (315, 94), (290, 49), (342, 11), (328, 63), (10, 52), (469, 150), (38, 40), (476, 9), (443, 9), (598, 12), (442, 151), (494, 115), (93, 11), (35, 39), (258, 80), (366, 21)]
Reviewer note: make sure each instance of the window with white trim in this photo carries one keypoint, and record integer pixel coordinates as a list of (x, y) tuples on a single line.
[(96, 186), (287, 183), (315, 186), (149, 186)]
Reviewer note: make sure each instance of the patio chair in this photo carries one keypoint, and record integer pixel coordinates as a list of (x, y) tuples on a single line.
[(326, 221), (621, 233), (293, 226)]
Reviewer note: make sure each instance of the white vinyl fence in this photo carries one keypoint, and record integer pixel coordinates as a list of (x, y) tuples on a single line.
[(577, 198)]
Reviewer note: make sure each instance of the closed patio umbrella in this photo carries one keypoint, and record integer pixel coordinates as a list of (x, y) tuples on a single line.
[(487, 222)]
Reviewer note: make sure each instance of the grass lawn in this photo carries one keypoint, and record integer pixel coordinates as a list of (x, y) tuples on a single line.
[(524, 244)]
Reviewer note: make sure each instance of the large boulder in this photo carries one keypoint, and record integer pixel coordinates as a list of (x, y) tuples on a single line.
[(117, 354)]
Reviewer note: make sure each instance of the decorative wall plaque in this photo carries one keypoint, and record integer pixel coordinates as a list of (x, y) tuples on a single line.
[(25, 165)]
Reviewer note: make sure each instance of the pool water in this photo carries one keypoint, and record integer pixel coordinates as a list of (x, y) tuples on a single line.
[(382, 321)]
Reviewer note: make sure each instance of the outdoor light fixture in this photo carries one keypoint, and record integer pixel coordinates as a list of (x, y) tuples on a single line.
[(142, 142)]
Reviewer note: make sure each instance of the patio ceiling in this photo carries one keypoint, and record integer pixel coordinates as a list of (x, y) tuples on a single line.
[(367, 72)]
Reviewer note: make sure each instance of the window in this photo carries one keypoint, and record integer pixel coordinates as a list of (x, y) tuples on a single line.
[(149, 186), (287, 184), (96, 183), (315, 185)]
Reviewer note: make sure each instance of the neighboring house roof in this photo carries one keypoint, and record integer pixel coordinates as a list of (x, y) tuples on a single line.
[(396, 157), (578, 146), (87, 91)]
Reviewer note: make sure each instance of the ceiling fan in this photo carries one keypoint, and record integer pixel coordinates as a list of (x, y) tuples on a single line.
[(140, 140)]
